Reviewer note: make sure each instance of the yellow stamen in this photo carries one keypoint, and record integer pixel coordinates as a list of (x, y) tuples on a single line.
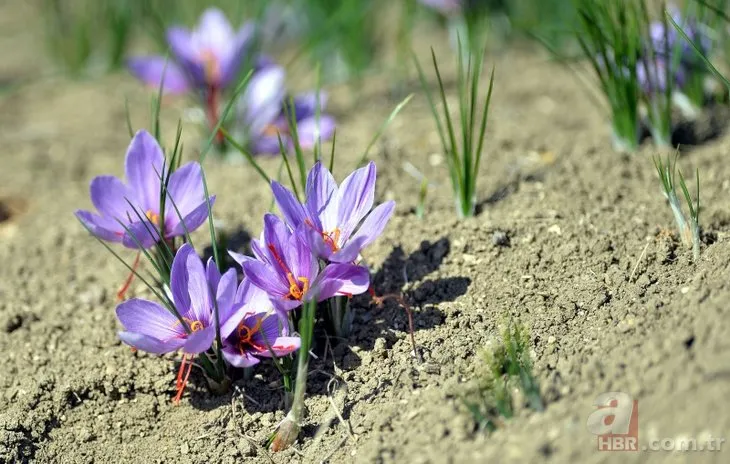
[(210, 65), (153, 217), (295, 292), (332, 239)]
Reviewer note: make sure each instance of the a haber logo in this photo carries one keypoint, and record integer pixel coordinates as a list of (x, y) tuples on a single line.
[(615, 422)]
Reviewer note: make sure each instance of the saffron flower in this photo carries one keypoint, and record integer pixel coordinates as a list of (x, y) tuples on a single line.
[(653, 79), (330, 217), (264, 109), (136, 205), (207, 58), (260, 331), (286, 270), (150, 327)]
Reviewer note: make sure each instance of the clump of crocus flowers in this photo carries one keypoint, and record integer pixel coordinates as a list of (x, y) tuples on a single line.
[(209, 61), (308, 261)]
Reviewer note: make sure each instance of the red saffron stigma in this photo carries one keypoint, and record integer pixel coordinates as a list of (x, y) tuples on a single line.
[(212, 108), (128, 281), (182, 378)]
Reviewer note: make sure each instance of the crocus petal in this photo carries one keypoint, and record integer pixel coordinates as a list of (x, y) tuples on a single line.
[(265, 278), (340, 279), (112, 198), (369, 230), (276, 237), (305, 104), (199, 341), (231, 64), (148, 318), (299, 258), (315, 242), (144, 169), (321, 193), (226, 295), (186, 53), (282, 346), (153, 69), (179, 278), (239, 258), (141, 234), (309, 131), (101, 227), (191, 221), (213, 31), (186, 188), (261, 102), (236, 359), (198, 290), (268, 145), (150, 344), (213, 275), (288, 204), (355, 198)]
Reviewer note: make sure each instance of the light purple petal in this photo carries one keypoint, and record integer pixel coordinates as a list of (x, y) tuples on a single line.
[(192, 221), (236, 359), (187, 54), (305, 104), (369, 230), (309, 131), (341, 279), (151, 70), (282, 346), (261, 102), (214, 31), (186, 189), (179, 279), (315, 242), (290, 208), (102, 227), (148, 318), (239, 258), (268, 145), (199, 341), (150, 344), (276, 239), (226, 295), (141, 233), (112, 198), (231, 64), (355, 198), (200, 299), (299, 258), (265, 278), (144, 169), (321, 193), (213, 275)]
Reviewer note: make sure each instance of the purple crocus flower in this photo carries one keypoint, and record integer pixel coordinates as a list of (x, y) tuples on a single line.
[(260, 331), (330, 217), (137, 203), (152, 328), (667, 39), (653, 79), (264, 109), (285, 268), (207, 58)]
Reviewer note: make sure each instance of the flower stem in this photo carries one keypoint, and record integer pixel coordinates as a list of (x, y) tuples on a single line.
[(288, 429)]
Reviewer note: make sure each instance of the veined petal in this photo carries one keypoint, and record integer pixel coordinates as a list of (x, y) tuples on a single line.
[(112, 198), (276, 237), (315, 242), (140, 234), (321, 193), (179, 279), (236, 359), (156, 70), (192, 220), (144, 169), (149, 318), (239, 258), (290, 208), (355, 198), (282, 346), (102, 227), (201, 305), (226, 295), (199, 341), (150, 344), (213, 275), (341, 279), (265, 278), (310, 130), (371, 228), (185, 189)]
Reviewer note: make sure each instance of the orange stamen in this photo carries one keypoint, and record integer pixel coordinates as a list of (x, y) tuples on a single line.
[(128, 281), (332, 239), (211, 66), (245, 333), (153, 217), (295, 292)]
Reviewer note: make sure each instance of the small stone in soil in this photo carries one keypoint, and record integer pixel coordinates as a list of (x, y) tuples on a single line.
[(500, 238)]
